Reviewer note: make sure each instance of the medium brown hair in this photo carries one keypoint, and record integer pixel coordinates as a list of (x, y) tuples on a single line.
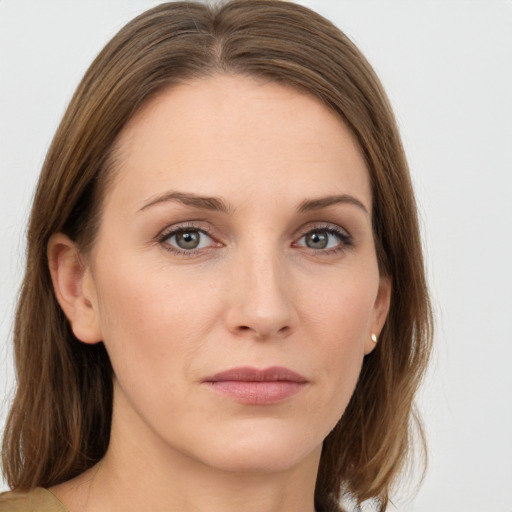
[(59, 424)]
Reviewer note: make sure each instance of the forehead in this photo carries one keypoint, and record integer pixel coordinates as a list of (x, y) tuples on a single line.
[(223, 134)]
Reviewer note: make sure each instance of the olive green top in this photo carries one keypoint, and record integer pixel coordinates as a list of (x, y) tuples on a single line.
[(35, 500), (42, 500)]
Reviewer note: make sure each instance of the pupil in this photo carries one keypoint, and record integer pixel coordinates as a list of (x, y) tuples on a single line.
[(317, 240), (188, 239)]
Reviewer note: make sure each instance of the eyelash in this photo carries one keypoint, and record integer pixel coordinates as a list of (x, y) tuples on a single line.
[(345, 240), (187, 228)]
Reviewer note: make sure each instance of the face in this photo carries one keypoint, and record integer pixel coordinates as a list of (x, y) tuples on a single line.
[(234, 280)]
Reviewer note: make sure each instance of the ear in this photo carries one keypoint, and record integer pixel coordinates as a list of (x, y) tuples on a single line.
[(380, 311), (74, 288)]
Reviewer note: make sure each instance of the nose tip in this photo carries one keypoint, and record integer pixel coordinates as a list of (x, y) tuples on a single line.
[(261, 304)]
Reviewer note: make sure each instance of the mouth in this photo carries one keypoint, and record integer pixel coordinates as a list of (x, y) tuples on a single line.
[(252, 386)]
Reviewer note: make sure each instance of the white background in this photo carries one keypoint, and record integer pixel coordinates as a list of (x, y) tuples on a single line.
[(446, 65)]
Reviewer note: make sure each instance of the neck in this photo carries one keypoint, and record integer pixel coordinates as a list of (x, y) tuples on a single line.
[(177, 487), (151, 475)]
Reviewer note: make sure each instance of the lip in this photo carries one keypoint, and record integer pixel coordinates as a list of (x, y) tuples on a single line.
[(253, 386)]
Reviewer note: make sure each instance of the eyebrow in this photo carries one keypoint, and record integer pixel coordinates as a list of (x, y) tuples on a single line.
[(217, 204), (203, 203), (324, 202)]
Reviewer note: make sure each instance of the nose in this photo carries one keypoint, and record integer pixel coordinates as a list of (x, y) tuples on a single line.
[(261, 301)]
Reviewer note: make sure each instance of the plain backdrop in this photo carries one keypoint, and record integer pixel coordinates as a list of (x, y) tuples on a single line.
[(447, 67)]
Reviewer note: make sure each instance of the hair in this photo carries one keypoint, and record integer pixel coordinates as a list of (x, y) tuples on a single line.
[(59, 423)]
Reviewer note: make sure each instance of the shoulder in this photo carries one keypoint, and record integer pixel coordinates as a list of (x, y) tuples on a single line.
[(35, 500)]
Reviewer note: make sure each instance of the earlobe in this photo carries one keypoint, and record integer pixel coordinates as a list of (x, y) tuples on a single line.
[(74, 288), (380, 312)]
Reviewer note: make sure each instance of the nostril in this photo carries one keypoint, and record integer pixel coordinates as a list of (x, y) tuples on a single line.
[(262, 333)]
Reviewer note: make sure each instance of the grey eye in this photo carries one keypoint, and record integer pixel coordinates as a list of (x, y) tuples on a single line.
[(188, 239), (317, 239), (324, 238)]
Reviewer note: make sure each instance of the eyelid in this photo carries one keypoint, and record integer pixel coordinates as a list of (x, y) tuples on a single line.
[(184, 226), (346, 239), (175, 229)]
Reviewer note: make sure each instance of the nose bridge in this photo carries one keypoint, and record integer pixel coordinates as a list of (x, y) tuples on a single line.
[(261, 304)]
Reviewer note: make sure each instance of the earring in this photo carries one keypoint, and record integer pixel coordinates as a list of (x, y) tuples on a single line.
[(374, 338)]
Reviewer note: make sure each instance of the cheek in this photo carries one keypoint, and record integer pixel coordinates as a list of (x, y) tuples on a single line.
[(338, 323), (341, 309), (148, 316)]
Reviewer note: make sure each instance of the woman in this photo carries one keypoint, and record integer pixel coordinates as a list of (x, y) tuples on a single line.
[(224, 304)]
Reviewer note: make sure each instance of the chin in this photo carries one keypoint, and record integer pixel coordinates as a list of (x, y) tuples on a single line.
[(256, 460), (261, 448)]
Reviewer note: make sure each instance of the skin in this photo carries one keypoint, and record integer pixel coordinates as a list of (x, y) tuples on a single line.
[(253, 294)]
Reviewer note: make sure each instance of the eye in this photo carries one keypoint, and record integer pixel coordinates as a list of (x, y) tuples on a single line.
[(325, 239), (187, 240)]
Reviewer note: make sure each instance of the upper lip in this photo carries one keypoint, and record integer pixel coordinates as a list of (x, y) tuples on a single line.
[(250, 374)]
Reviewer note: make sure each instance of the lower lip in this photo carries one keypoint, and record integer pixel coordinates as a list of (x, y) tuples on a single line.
[(257, 393)]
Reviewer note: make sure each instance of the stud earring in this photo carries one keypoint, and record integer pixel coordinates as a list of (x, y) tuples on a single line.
[(374, 338)]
